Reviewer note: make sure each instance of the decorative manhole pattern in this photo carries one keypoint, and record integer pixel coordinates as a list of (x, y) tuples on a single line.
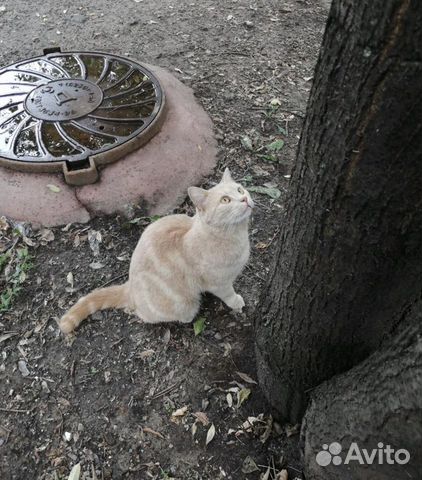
[(75, 110)]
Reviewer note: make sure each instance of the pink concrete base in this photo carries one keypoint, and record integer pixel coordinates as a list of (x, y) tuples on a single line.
[(156, 176)]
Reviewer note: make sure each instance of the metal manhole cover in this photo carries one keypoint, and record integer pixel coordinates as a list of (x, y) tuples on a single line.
[(75, 110)]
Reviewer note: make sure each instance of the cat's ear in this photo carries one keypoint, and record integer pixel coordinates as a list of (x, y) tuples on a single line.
[(227, 176), (198, 196)]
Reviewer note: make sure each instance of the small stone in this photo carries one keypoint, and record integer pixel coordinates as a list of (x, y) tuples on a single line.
[(78, 18), (67, 436), (23, 368), (97, 315), (123, 463), (45, 386), (249, 24)]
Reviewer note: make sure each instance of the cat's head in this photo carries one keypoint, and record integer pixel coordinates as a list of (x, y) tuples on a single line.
[(228, 203)]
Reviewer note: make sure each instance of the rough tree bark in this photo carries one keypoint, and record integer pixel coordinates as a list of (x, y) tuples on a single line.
[(378, 401), (348, 267)]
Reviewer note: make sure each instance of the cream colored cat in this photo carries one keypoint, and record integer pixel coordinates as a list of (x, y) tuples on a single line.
[(178, 257)]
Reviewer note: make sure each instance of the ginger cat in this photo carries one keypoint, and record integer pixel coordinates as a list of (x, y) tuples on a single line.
[(178, 257)]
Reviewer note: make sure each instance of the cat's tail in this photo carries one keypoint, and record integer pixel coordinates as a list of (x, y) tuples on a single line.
[(110, 297)]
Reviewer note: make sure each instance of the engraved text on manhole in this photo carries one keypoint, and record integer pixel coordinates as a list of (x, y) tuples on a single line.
[(61, 100)]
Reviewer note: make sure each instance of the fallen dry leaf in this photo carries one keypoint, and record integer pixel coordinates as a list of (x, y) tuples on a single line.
[(248, 424), (55, 189), (94, 240), (6, 336), (268, 428), (146, 354), (75, 472), (242, 396), (96, 265), (4, 224), (249, 465), (210, 434), (202, 417), (69, 279), (166, 336), (46, 236), (292, 429), (266, 475), (178, 414), (245, 377), (28, 241), (227, 349), (282, 475), (153, 432)]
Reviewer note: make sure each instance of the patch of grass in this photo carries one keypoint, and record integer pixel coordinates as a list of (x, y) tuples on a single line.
[(269, 152), (14, 266), (272, 108), (165, 475), (275, 146), (199, 325), (247, 179)]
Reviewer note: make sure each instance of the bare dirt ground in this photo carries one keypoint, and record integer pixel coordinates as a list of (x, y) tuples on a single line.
[(107, 398)]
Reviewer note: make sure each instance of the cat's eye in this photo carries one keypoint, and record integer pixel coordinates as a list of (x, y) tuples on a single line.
[(240, 190), (225, 199)]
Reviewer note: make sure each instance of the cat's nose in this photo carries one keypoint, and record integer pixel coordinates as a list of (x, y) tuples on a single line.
[(249, 203)]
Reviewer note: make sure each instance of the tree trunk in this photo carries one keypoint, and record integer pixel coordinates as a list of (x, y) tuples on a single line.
[(379, 401), (347, 267)]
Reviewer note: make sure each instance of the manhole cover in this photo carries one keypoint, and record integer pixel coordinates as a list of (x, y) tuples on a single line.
[(75, 110)]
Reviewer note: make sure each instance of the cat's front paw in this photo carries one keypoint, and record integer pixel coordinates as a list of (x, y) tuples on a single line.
[(237, 303)]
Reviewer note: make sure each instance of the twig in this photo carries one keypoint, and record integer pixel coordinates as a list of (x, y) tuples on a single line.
[(72, 371), (166, 390), (274, 236), (113, 280), (152, 432), (8, 432), (273, 463), (293, 468), (15, 410), (248, 267), (116, 342), (93, 473)]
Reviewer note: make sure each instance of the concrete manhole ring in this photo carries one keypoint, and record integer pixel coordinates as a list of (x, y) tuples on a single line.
[(147, 173), (71, 111)]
